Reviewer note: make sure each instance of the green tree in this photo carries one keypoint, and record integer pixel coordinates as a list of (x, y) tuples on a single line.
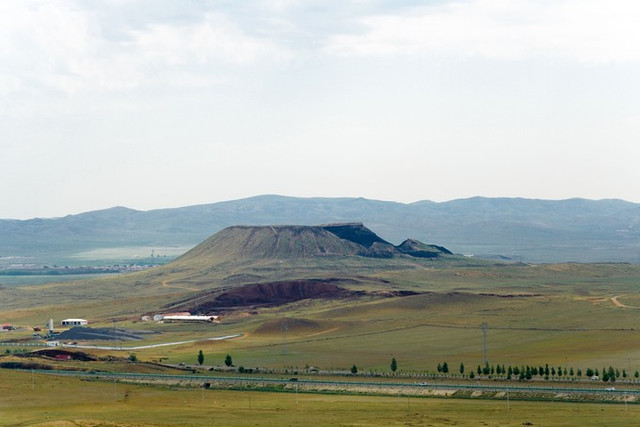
[(133, 357), (200, 358), (394, 364), (228, 360), (472, 375), (445, 368), (479, 370), (439, 368), (462, 368), (354, 369), (590, 372), (637, 374)]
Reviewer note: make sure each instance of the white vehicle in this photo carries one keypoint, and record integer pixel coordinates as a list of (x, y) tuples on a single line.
[(610, 389)]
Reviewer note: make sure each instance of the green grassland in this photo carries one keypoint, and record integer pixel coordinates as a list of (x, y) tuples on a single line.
[(557, 314), (561, 314), (45, 400)]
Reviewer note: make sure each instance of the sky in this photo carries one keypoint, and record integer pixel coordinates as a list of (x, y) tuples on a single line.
[(154, 103)]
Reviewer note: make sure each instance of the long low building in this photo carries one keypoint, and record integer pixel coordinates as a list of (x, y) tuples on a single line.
[(74, 322), (183, 318)]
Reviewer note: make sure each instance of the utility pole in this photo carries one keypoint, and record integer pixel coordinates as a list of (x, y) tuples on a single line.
[(484, 340), (283, 328)]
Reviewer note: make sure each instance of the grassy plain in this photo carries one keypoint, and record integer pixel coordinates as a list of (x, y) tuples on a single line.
[(52, 401), (558, 314)]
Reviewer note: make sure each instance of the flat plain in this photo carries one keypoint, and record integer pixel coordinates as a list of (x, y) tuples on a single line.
[(420, 312)]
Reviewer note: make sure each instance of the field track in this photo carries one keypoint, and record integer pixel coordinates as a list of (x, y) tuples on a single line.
[(165, 284), (619, 304)]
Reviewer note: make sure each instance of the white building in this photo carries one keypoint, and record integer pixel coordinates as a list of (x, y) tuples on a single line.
[(190, 318), (73, 322)]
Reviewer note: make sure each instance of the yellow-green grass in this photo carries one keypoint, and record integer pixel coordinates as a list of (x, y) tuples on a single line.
[(420, 331), (49, 400), (557, 314)]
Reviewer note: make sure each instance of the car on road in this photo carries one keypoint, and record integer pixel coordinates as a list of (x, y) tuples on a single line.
[(610, 389)]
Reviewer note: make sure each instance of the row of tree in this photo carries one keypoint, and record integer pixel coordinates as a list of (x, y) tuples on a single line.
[(528, 372)]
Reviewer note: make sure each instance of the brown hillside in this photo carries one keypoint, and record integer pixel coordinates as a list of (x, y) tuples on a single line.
[(258, 242), (262, 294)]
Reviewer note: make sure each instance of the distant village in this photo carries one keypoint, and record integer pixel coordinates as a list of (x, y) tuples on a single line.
[(56, 270)]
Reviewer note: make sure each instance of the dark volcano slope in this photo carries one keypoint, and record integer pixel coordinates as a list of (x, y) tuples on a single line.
[(355, 232), (418, 249)]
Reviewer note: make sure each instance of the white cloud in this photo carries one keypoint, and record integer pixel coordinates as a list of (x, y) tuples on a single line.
[(215, 38), (60, 46), (590, 31)]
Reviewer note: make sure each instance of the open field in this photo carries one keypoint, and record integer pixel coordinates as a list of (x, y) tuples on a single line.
[(46, 400), (420, 312), (556, 314)]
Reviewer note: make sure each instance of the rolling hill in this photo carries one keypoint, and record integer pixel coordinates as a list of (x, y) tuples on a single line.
[(519, 229)]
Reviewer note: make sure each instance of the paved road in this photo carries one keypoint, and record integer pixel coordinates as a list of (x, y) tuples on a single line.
[(140, 347)]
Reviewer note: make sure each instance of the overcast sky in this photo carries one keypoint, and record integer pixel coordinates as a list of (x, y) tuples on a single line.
[(156, 103)]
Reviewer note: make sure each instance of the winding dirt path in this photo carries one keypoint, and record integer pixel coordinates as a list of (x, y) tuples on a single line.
[(167, 285), (619, 304)]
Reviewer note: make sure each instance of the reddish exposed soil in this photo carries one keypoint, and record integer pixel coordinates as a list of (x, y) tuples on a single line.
[(279, 293), (56, 353), (264, 294)]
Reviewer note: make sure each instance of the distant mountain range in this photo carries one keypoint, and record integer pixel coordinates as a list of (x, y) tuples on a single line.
[(508, 228)]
